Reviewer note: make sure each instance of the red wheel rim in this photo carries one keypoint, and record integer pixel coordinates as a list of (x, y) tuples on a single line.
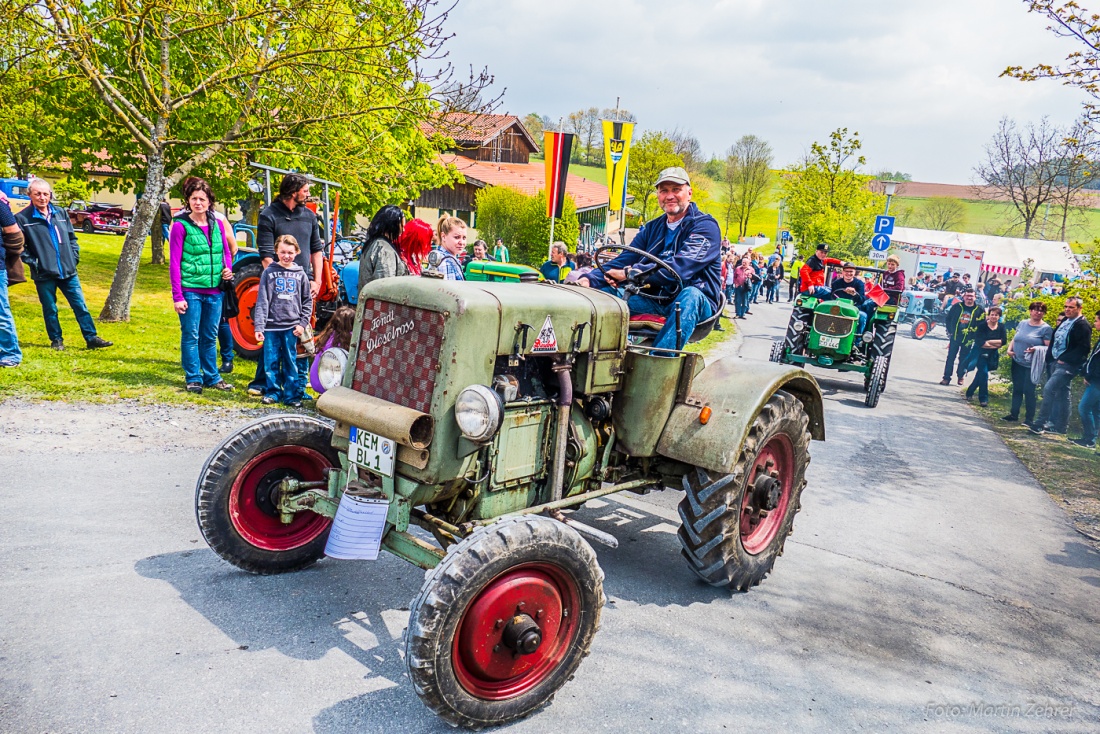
[(252, 499), (921, 329), (760, 522), (484, 665), (242, 326)]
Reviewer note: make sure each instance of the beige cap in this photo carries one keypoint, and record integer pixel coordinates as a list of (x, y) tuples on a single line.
[(675, 174)]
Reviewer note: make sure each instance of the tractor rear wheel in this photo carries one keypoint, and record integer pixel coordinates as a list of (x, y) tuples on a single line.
[(735, 525), (920, 329), (246, 282), (503, 621), (237, 494), (877, 383)]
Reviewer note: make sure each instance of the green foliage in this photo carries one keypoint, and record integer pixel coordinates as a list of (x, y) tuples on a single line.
[(520, 220), (69, 190), (827, 200), (649, 155)]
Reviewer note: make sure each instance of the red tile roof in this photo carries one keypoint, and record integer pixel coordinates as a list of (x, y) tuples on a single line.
[(530, 178), (470, 129)]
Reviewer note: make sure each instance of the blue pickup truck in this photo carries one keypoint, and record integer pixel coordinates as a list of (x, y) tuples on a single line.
[(16, 189)]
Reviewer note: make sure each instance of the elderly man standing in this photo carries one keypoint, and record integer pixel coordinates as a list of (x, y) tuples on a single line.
[(688, 241), (11, 272), (53, 254), (1068, 352)]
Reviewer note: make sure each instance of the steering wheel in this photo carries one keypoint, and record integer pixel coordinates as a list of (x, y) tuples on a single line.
[(634, 282)]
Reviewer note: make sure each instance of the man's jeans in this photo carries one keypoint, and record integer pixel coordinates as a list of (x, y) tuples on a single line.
[(199, 338), (225, 341), (741, 301), (1054, 410), (694, 307), (281, 366), (981, 381), (70, 288), (10, 354), (1089, 409), (960, 350), (820, 291)]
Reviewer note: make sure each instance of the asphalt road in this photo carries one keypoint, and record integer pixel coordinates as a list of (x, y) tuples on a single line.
[(930, 585)]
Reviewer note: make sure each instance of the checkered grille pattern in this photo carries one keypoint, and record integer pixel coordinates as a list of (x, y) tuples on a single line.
[(833, 325), (397, 354)]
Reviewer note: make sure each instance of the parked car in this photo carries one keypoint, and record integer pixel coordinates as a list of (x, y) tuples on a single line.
[(16, 191), (91, 217)]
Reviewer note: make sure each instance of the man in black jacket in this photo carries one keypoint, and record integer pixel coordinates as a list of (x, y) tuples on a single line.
[(1069, 349), (1089, 407), (962, 319), (53, 254)]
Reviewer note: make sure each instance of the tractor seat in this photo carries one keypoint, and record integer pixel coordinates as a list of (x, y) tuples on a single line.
[(643, 328)]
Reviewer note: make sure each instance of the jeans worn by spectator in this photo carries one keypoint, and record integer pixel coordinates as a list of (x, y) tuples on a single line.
[(981, 381), (281, 367), (741, 301), (10, 353), (1089, 410), (1054, 410), (960, 350), (225, 341), (1023, 392), (70, 287), (199, 338)]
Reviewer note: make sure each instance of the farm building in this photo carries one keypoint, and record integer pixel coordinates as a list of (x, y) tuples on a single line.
[(1004, 256), (495, 150)]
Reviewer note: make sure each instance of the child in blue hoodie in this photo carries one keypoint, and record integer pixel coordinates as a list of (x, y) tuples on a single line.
[(283, 307)]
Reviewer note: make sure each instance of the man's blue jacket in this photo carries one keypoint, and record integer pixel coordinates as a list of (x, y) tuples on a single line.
[(697, 254)]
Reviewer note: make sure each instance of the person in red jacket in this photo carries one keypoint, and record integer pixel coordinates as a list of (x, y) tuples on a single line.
[(812, 275)]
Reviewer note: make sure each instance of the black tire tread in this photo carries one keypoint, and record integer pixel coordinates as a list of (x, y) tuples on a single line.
[(709, 535), (442, 592), (217, 476)]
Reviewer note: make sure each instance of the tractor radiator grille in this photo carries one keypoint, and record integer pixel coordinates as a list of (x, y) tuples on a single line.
[(833, 325), (397, 358)]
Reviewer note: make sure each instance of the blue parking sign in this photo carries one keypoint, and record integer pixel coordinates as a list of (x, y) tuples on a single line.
[(884, 224)]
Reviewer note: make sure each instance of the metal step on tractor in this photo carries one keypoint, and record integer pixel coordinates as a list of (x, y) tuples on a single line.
[(471, 420)]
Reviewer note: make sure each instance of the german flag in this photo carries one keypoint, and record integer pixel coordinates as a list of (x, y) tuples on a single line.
[(557, 148)]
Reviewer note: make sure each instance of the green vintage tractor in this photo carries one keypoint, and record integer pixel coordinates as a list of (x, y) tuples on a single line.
[(471, 419), (823, 332)]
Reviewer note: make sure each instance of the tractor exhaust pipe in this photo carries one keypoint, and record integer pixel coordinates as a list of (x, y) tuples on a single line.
[(564, 370)]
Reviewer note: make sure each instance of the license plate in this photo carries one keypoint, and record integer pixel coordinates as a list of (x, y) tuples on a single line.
[(372, 451), (829, 342)]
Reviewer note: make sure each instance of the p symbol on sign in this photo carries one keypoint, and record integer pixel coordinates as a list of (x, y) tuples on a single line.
[(884, 224)]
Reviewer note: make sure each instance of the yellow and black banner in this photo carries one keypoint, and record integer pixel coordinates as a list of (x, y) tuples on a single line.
[(616, 148), (557, 148)]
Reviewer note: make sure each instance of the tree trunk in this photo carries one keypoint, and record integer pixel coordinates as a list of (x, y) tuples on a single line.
[(157, 240), (117, 307)]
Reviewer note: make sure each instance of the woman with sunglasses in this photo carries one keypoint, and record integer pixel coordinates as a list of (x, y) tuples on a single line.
[(1029, 334)]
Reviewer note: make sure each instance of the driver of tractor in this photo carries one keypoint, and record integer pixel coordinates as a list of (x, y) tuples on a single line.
[(685, 239), (812, 274), (850, 288)]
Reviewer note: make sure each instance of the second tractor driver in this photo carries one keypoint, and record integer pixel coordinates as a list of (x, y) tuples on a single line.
[(690, 242)]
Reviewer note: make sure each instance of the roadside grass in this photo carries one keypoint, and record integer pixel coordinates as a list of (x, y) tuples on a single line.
[(1069, 473), (144, 363)]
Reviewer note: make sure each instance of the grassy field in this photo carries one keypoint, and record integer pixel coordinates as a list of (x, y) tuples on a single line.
[(143, 364), (994, 217)]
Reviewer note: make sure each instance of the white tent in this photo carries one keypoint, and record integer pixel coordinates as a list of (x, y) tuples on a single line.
[(1001, 255)]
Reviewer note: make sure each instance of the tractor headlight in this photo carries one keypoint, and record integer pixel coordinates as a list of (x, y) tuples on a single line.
[(868, 337), (330, 368), (798, 325), (478, 412)]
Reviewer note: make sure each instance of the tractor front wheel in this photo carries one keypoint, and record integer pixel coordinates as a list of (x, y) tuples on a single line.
[(877, 383), (503, 621), (735, 525), (920, 329), (236, 500)]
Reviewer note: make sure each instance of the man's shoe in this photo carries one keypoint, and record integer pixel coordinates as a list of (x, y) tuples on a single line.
[(1082, 442), (268, 400), (226, 368), (960, 381), (1037, 429), (223, 386), (945, 381), (1010, 418), (99, 343), (194, 387), (983, 403), (295, 404), (255, 392), (57, 345)]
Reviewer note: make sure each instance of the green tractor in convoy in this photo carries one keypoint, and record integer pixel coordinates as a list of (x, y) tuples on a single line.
[(470, 418), (823, 332)]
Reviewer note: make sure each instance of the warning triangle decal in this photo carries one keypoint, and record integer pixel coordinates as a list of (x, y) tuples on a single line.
[(548, 340)]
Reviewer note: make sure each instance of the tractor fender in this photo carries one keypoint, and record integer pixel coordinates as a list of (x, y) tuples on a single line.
[(736, 391), (245, 256)]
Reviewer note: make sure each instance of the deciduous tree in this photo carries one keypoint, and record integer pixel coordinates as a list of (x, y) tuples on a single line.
[(746, 181), (520, 220), (942, 213), (649, 155), (1022, 166)]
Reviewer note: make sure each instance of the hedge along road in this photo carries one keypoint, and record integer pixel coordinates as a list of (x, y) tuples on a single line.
[(930, 584)]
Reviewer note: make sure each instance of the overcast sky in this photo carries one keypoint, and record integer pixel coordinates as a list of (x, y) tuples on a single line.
[(918, 80)]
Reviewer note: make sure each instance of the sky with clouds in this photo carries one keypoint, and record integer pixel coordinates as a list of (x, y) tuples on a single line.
[(918, 80)]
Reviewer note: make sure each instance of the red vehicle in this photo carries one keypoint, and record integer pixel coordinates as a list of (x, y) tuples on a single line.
[(91, 218)]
